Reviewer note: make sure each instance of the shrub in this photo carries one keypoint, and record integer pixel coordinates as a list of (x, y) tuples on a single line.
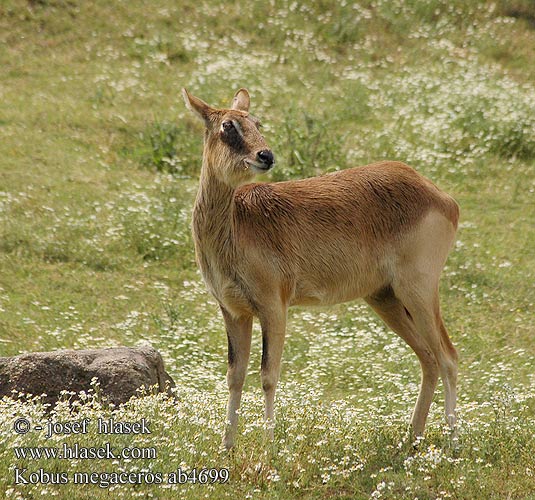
[(308, 145)]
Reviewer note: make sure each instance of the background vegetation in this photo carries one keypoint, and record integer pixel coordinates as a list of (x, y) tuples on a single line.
[(99, 162)]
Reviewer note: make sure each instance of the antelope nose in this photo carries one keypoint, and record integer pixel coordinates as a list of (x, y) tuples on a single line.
[(265, 156)]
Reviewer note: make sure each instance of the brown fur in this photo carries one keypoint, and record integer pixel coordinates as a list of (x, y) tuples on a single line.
[(381, 232), (330, 226)]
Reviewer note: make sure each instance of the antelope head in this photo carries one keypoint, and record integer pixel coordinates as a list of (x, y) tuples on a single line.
[(234, 149)]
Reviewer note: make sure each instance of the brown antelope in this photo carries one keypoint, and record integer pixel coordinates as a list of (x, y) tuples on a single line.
[(381, 232)]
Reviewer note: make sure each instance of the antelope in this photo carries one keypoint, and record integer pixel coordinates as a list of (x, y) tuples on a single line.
[(381, 232)]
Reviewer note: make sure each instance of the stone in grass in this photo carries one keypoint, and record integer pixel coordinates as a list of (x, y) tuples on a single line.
[(120, 371)]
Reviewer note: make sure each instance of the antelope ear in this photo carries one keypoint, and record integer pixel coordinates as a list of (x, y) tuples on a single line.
[(198, 106), (241, 100)]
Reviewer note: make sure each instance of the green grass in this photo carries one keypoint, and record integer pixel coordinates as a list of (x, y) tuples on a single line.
[(99, 162)]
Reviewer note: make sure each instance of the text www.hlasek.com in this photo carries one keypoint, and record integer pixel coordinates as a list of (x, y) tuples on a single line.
[(77, 452)]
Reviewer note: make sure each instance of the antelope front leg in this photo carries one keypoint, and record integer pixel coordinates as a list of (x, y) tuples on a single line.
[(273, 333), (239, 347)]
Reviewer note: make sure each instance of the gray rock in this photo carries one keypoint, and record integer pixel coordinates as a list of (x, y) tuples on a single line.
[(121, 371)]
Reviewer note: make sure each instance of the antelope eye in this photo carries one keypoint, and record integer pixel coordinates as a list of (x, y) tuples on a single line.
[(228, 125)]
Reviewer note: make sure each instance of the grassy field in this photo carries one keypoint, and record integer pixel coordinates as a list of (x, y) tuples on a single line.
[(99, 162)]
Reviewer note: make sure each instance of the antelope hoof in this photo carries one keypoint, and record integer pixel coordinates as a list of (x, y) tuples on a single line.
[(270, 430), (229, 439)]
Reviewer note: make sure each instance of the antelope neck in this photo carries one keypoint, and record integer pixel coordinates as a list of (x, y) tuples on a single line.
[(213, 213)]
